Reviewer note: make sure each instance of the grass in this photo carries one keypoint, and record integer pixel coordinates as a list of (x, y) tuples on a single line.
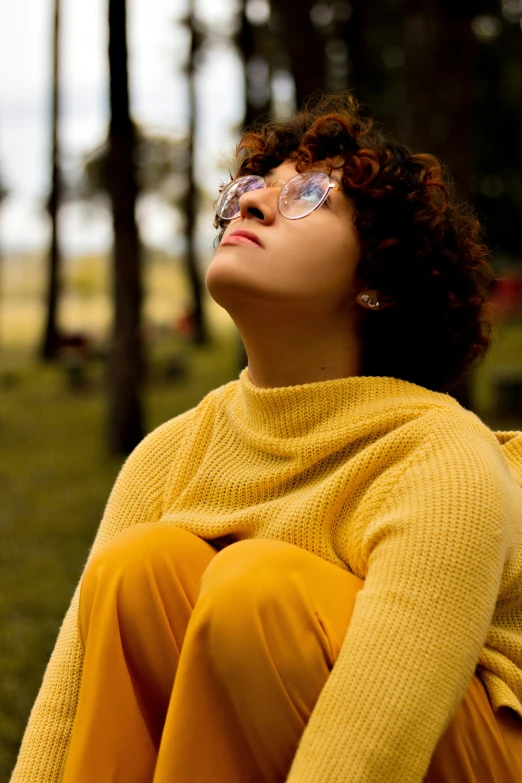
[(55, 476)]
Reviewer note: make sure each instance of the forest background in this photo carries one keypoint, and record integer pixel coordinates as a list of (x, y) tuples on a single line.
[(102, 340)]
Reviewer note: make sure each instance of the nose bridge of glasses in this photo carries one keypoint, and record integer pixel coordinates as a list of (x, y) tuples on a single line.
[(271, 185), (261, 188)]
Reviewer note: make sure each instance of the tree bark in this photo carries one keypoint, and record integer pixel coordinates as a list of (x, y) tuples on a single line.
[(440, 65), (253, 45), (125, 371), (306, 50), (50, 343), (199, 333)]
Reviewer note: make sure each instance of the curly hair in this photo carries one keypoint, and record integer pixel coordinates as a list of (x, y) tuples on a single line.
[(419, 245)]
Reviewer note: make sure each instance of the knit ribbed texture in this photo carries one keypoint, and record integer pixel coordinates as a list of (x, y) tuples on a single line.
[(391, 481)]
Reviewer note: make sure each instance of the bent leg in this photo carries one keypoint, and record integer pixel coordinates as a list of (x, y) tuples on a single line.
[(136, 599), (264, 635), (265, 632)]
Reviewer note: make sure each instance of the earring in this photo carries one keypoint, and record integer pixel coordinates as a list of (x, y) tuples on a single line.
[(373, 303)]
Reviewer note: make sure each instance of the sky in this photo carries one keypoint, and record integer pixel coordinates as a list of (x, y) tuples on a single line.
[(157, 47)]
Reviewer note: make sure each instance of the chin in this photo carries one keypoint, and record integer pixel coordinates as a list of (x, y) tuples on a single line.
[(226, 279), (237, 295), (224, 283)]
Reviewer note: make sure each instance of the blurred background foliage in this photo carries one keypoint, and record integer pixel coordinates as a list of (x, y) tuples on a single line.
[(445, 76)]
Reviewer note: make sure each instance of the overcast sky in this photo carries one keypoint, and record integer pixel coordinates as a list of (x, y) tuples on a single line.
[(158, 96)]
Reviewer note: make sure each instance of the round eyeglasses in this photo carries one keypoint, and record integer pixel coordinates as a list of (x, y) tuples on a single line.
[(297, 198)]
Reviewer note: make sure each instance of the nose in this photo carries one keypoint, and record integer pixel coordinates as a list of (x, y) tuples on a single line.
[(261, 204)]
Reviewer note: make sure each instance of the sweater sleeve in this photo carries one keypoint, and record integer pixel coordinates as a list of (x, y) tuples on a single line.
[(433, 556), (136, 498)]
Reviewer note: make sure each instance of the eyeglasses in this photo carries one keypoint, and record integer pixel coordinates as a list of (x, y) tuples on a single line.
[(297, 198)]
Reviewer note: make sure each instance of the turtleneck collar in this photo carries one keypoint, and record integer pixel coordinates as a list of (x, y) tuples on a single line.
[(324, 409)]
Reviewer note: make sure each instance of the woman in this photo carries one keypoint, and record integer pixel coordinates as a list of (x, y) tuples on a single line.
[(315, 575)]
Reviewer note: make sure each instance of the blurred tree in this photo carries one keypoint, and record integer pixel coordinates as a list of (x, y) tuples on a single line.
[(307, 24), (497, 126), (160, 166), (50, 341), (164, 166), (439, 71), (254, 44), (125, 371), (199, 329)]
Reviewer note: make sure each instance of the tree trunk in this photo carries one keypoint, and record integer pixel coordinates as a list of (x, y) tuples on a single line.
[(306, 50), (253, 45), (199, 331), (50, 342), (440, 65), (125, 372)]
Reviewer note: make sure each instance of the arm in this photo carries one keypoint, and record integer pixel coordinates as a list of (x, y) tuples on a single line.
[(433, 556), (135, 499)]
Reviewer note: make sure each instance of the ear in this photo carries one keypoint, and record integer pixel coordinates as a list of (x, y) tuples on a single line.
[(374, 300)]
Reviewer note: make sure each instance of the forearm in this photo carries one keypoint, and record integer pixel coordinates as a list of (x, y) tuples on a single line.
[(46, 739)]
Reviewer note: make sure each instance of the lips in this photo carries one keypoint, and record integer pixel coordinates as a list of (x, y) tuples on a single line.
[(242, 237)]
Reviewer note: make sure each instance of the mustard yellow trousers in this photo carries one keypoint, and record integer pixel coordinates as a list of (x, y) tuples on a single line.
[(204, 667)]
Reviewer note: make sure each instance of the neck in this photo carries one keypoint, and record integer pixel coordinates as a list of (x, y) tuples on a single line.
[(289, 350)]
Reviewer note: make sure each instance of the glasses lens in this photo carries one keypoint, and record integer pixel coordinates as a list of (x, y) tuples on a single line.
[(303, 194), (228, 203)]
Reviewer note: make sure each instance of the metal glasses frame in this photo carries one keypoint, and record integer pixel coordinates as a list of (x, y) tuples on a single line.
[(331, 185)]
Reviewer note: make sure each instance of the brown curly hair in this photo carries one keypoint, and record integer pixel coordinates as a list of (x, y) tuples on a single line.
[(419, 246)]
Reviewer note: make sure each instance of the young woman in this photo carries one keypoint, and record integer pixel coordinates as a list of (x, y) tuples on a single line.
[(314, 576)]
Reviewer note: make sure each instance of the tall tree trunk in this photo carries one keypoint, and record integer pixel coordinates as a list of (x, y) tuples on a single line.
[(125, 372), (253, 45), (199, 333), (50, 342), (306, 50), (440, 65)]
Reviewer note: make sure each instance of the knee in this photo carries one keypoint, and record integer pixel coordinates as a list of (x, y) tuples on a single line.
[(247, 587), (247, 574), (135, 549), (136, 560)]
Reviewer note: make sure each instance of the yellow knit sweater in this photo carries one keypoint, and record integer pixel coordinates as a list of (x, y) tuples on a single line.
[(386, 479)]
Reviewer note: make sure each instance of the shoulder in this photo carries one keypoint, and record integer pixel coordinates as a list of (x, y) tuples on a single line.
[(154, 455), (464, 435), (511, 445), (446, 448), (454, 436), (163, 441), (438, 419), (166, 440)]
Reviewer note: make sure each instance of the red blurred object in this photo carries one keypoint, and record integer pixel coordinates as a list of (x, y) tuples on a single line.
[(507, 295), (185, 325)]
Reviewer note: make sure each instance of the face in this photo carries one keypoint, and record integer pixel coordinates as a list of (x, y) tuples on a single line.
[(306, 265)]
